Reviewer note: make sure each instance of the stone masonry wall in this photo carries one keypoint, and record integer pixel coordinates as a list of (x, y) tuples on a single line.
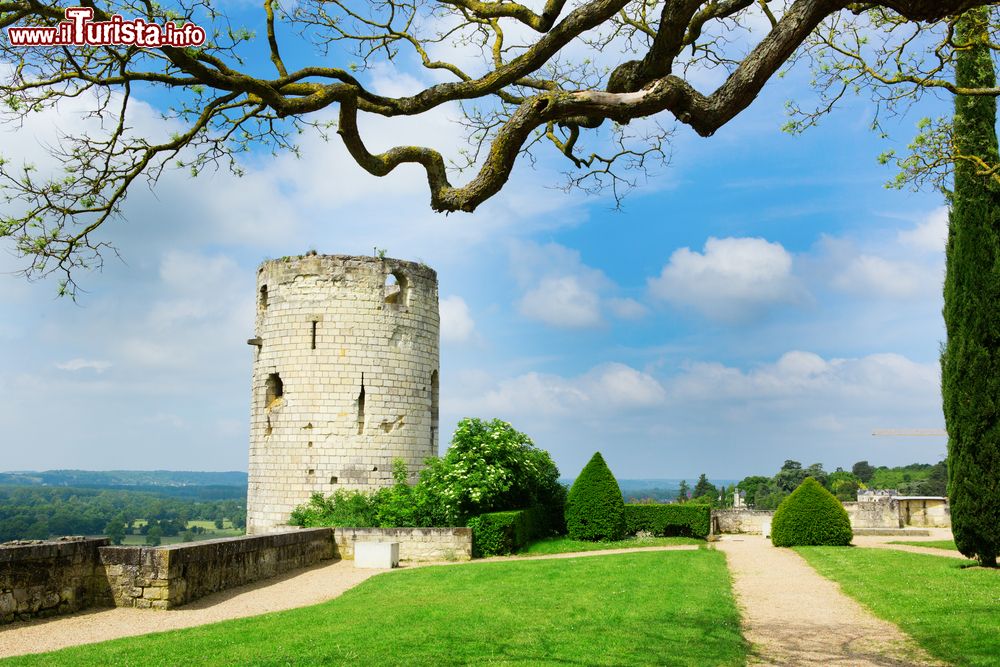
[(415, 544), (739, 521), (48, 578), (879, 512), (167, 577), (345, 378), (925, 512)]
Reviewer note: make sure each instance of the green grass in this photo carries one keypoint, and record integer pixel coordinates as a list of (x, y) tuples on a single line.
[(934, 544), (658, 608), (563, 545), (948, 607)]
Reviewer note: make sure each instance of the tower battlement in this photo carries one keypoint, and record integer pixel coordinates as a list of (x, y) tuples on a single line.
[(345, 378)]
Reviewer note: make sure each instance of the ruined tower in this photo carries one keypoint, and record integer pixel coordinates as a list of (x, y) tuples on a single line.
[(345, 378)]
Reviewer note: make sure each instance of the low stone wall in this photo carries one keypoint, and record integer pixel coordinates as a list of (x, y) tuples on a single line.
[(49, 578), (415, 544), (881, 512), (927, 512), (739, 521), (167, 577)]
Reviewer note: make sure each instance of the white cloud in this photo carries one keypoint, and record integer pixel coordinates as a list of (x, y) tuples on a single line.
[(627, 309), (457, 324), (605, 389), (870, 275), (96, 365), (806, 376), (930, 235), (562, 302), (732, 280), (560, 290)]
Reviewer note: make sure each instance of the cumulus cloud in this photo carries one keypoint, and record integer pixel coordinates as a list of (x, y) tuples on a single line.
[(627, 309), (806, 376), (733, 280), (877, 276), (457, 324), (562, 302), (930, 235), (560, 290), (96, 365), (605, 389)]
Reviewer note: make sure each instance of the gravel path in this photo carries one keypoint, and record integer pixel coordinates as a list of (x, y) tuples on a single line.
[(296, 589), (795, 617)]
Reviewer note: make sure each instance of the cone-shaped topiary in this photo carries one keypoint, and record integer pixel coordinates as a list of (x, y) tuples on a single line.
[(594, 508), (811, 515)]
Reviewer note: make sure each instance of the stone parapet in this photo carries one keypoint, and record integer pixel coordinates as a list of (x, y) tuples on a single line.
[(740, 521), (415, 544), (167, 577), (40, 579)]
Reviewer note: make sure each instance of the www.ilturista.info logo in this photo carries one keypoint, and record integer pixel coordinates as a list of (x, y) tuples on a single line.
[(79, 29)]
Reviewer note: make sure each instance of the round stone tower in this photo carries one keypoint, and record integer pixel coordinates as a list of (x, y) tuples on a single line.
[(345, 378)]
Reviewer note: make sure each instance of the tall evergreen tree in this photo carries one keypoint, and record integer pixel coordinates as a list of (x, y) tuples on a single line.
[(970, 359)]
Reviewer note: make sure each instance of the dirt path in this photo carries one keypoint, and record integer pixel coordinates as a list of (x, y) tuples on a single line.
[(795, 617), (296, 589)]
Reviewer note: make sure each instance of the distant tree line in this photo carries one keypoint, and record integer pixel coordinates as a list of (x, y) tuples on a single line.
[(917, 479), (42, 512)]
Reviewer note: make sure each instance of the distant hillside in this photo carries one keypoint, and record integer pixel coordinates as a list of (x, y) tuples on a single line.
[(144, 479)]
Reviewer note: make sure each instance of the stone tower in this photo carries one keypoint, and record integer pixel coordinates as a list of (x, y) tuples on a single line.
[(345, 378)]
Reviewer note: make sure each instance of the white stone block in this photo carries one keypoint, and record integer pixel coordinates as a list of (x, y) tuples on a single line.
[(765, 526), (376, 555)]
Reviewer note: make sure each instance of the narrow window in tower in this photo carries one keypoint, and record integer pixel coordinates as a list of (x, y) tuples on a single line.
[(274, 389), (435, 392), (396, 289), (262, 303), (314, 323), (361, 407)]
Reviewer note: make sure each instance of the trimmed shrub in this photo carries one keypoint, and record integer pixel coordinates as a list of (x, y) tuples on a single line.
[(501, 533), (688, 520), (811, 515), (595, 509)]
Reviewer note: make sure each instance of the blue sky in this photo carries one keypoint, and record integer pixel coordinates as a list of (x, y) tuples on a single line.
[(761, 298)]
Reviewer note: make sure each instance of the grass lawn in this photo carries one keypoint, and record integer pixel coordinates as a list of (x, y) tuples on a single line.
[(948, 607), (659, 608), (563, 545), (934, 544)]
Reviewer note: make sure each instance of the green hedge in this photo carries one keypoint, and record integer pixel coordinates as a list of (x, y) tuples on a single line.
[(811, 515), (594, 505), (690, 519), (501, 533)]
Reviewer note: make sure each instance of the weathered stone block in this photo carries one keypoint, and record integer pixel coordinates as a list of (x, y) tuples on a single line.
[(377, 555)]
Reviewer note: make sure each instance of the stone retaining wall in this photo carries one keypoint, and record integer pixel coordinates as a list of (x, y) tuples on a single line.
[(879, 512), (927, 512), (49, 578), (167, 577), (415, 544), (739, 521)]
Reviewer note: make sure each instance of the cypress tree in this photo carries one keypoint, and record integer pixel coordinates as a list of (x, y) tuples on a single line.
[(970, 359)]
